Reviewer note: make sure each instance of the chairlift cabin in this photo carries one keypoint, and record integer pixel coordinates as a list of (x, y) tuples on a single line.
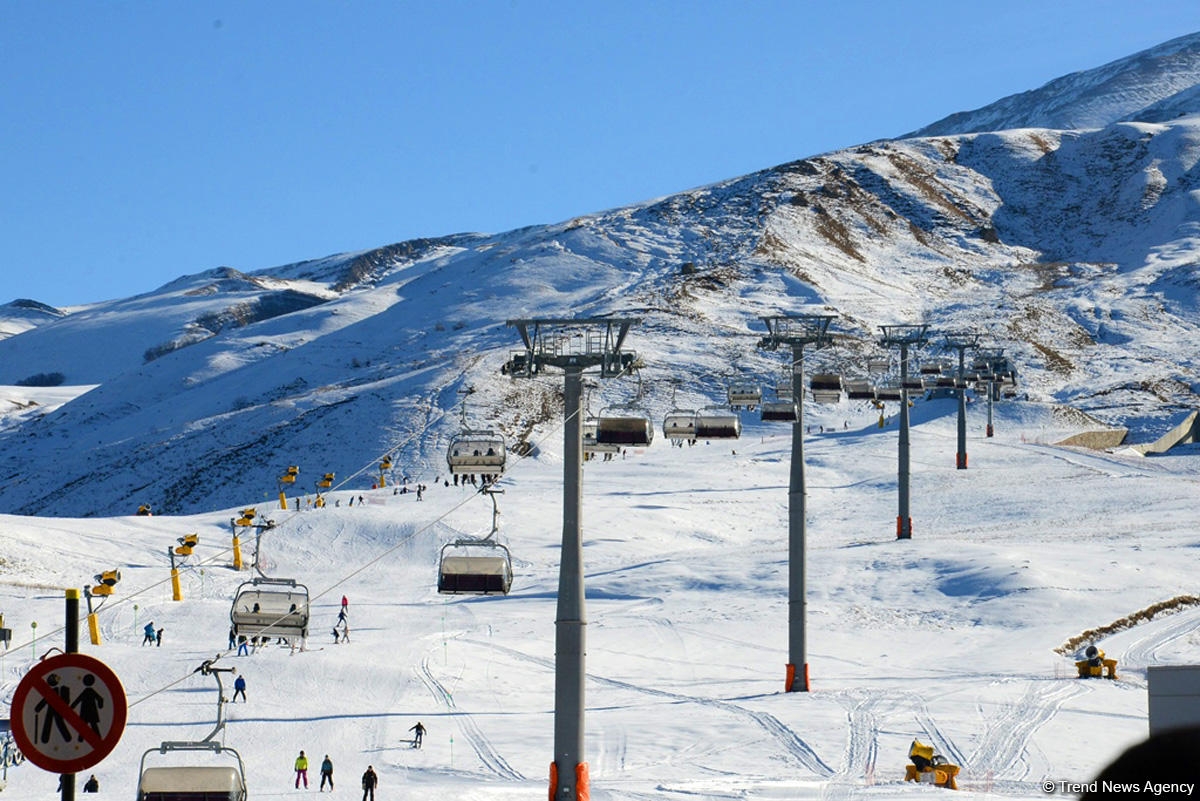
[(860, 389), (192, 782), (878, 364), (780, 412), (270, 607), (480, 452), (744, 396), (888, 392), (951, 382), (826, 387), (913, 383), (590, 445), (624, 429), (474, 567), (680, 424), (716, 423)]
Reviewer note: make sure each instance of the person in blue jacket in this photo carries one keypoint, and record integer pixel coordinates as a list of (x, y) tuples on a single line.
[(151, 635)]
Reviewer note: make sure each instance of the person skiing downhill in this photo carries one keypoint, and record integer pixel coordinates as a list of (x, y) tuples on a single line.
[(239, 688)]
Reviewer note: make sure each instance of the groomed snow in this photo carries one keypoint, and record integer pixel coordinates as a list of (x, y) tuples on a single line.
[(948, 637)]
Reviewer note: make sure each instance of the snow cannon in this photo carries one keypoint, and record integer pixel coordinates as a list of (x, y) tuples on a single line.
[(929, 767), (187, 544), (247, 518), (144, 510), (1094, 665), (105, 582)]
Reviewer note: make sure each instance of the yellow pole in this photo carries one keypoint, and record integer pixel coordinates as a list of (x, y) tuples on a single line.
[(282, 500), (237, 553), (93, 628), (382, 480), (176, 593)]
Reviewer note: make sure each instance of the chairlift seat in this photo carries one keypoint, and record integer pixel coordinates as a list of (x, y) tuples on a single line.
[(474, 452), (624, 430), (860, 390), (718, 425), (888, 392), (680, 424), (191, 783), (914, 383), (780, 412), (744, 395), (271, 607), (475, 573)]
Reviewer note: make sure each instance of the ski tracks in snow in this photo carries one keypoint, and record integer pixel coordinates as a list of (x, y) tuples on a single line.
[(479, 742), (1001, 751), (794, 746)]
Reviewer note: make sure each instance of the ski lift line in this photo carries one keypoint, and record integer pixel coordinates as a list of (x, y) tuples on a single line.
[(333, 587)]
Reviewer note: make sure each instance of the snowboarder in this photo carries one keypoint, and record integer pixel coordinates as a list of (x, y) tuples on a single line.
[(418, 732), (369, 780), (302, 770), (149, 632), (239, 688), (327, 773)]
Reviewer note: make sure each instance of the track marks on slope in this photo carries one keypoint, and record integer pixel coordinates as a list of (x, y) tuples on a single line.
[(1001, 751), (489, 756)]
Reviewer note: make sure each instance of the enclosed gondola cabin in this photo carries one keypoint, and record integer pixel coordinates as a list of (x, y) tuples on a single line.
[(474, 567), (270, 607), (680, 424), (476, 453), (717, 424)]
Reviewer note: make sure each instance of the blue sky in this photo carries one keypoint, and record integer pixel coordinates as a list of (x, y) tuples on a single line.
[(142, 141)]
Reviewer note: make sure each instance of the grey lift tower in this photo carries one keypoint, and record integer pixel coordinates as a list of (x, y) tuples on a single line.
[(796, 331), (961, 341), (571, 346), (904, 337)]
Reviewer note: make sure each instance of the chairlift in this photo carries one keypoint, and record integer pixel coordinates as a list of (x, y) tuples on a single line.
[(680, 424), (476, 566), (888, 392), (742, 395), (914, 383), (192, 782), (271, 607), (480, 451), (717, 423), (879, 363), (780, 412), (590, 445), (826, 387), (951, 382), (860, 389), (624, 429)]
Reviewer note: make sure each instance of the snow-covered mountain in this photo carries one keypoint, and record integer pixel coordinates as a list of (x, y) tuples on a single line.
[(1073, 249)]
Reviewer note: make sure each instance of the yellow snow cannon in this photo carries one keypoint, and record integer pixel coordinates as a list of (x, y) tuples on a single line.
[(929, 767), (1094, 665)]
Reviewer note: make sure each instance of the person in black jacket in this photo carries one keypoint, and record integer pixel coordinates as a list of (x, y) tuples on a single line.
[(369, 780)]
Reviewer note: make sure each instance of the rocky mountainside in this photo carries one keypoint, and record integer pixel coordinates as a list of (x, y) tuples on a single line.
[(1072, 247)]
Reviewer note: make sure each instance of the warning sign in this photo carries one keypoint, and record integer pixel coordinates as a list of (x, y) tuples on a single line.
[(68, 713)]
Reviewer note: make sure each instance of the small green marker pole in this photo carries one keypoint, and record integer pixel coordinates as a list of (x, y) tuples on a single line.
[(33, 643)]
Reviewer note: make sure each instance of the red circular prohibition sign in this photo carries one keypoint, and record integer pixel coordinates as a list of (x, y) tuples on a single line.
[(68, 713)]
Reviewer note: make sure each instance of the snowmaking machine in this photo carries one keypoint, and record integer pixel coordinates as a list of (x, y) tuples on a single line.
[(1094, 665), (929, 767)]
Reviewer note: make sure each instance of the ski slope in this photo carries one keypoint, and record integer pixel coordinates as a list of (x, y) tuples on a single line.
[(948, 637)]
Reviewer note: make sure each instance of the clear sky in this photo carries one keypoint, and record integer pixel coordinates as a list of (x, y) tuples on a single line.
[(141, 141)]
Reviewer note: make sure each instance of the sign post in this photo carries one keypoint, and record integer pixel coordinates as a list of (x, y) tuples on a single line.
[(69, 710)]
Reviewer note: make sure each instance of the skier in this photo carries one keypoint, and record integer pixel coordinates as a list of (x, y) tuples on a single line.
[(239, 688), (327, 773), (151, 636), (302, 770), (418, 732), (345, 603), (92, 785), (369, 780), (158, 638)]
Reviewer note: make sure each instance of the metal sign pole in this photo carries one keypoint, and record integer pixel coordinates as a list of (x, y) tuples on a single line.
[(71, 636)]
